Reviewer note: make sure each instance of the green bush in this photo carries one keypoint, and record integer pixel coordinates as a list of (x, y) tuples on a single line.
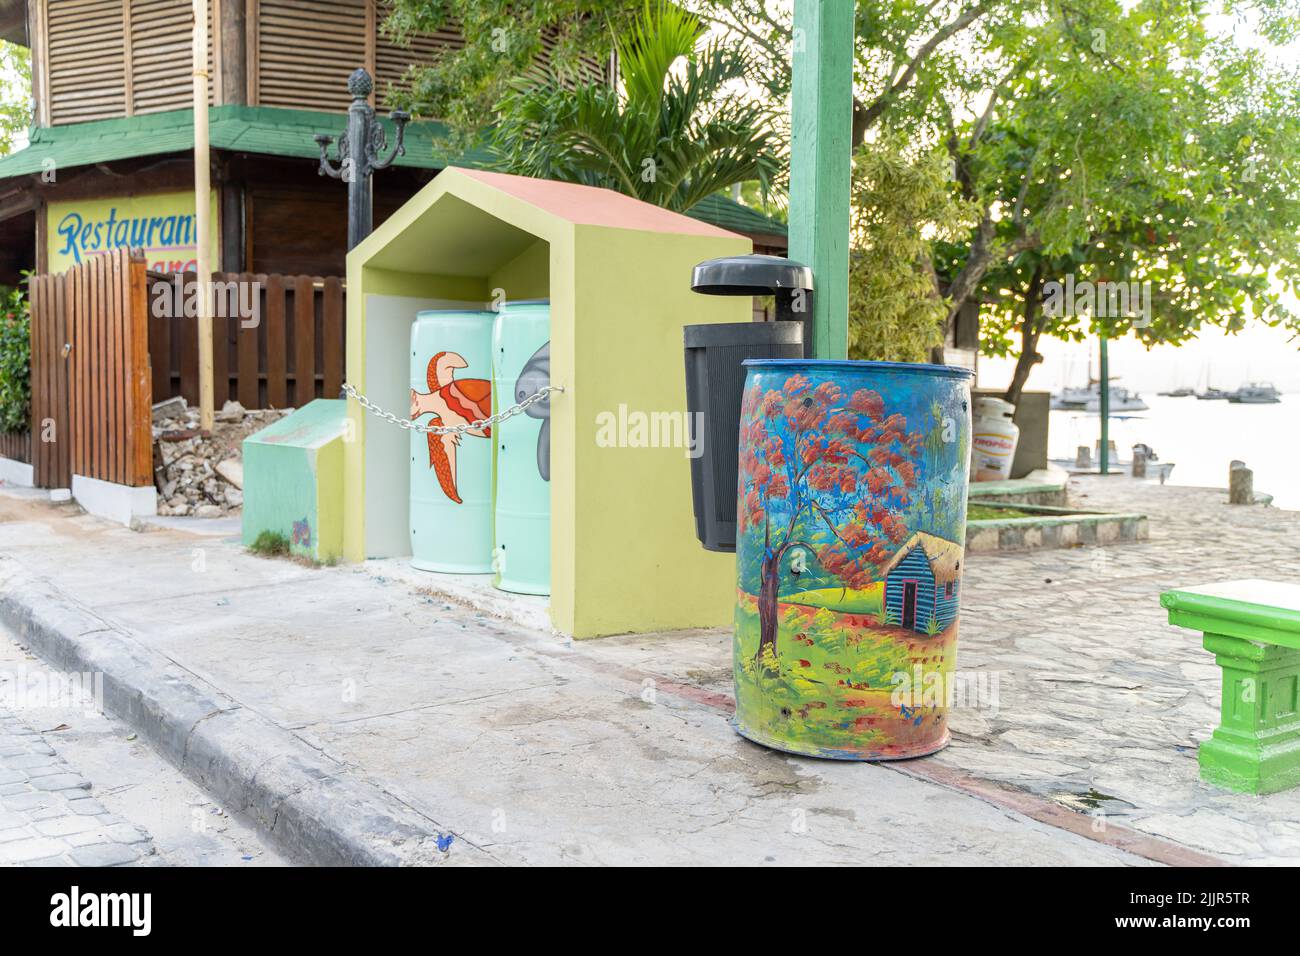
[(15, 361)]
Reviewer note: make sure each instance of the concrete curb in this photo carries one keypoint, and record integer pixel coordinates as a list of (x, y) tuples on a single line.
[(307, 801)]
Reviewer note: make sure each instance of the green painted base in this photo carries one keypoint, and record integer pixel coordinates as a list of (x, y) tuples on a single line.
[(1251, 768), (1253, 630)]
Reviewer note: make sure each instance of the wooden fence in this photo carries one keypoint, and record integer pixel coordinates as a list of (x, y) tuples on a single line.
[(286, 353), (90, 373), (16, 446)]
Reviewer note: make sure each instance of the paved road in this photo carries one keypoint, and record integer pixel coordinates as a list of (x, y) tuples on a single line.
[(526, 748), (78, 789)]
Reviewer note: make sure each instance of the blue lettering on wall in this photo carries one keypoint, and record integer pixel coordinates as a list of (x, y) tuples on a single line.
[(81, 238)]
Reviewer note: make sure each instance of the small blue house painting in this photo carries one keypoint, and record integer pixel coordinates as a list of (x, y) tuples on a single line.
[(922, 582)]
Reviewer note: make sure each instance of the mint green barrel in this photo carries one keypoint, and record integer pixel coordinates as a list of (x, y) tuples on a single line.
[(451, 475), (521, 349)]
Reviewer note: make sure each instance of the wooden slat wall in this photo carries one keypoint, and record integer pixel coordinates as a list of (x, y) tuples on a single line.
[(87, 61), (306, 49), (114, 58), (90, 404), (160, 53), (293, 355)]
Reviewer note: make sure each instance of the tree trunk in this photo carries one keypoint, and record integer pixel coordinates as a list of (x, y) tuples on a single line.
[(770, 580), (1030, 331)]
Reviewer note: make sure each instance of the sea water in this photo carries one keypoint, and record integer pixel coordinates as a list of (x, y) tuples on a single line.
[(1200, 438)]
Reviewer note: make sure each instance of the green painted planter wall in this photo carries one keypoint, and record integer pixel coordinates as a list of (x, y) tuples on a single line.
[(293, 480), (521, 350)]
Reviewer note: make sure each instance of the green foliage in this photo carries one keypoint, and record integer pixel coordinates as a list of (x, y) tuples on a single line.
[(504, 40), (671, 136), (15, 94), (270, 544), (1151, 155), (15, 361), (901, 203)]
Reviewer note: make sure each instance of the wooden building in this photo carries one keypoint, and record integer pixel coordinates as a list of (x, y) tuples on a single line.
[(109, 161)]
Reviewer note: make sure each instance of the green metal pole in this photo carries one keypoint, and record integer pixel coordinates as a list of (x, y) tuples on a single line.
[(1105, 406), (820, 152)]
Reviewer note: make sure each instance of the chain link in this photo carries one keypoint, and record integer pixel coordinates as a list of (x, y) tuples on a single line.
[(482, 423)]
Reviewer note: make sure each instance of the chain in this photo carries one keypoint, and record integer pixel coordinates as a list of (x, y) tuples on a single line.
[(409, 425)]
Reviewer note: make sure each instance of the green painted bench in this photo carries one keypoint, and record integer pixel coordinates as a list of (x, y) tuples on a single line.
[(1253, 630)]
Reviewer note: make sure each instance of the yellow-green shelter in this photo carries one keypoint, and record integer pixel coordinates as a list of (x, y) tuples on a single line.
[(624, 556)]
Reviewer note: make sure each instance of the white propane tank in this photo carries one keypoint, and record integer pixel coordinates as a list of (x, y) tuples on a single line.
[(993, 441)]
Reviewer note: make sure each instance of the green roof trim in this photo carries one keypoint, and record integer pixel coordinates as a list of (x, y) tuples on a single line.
[(722, 211), (274, 131)]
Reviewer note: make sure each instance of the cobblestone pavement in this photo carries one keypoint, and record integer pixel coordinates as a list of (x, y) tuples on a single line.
[(77, 786), (47, 814), (1101, 702)]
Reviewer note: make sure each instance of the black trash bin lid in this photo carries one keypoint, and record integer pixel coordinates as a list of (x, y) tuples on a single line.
[(750, 275)]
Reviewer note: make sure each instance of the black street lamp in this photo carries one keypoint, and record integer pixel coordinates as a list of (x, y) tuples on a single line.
[(358, 154)]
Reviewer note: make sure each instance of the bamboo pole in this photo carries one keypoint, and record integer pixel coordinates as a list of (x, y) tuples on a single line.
[(203, 212)]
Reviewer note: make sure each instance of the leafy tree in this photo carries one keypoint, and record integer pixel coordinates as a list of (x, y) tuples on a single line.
[(15, 361), (1145, 154), (810, 456), (503, 41), (15, 94), (901, 203), (671, 135)]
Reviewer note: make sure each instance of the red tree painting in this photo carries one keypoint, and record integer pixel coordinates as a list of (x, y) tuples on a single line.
[(812, 456)]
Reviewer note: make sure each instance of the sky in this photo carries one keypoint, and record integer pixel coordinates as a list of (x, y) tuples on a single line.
[(1257, 353)]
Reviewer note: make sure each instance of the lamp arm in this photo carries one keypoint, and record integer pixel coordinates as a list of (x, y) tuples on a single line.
[(400, 118)]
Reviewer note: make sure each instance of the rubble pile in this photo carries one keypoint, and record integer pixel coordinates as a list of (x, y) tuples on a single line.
[(202, 475)]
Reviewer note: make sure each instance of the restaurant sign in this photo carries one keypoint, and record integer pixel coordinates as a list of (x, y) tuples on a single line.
[(162, 225)]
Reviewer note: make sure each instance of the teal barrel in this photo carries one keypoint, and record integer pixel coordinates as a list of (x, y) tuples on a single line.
[(521, 349), (451, 476), (851, 525)]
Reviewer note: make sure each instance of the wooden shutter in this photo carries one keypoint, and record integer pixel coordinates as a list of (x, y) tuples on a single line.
[(87, 61), (160, 54), (306, 49)]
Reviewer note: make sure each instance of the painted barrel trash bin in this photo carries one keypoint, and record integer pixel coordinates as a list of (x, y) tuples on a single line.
[(451, 475), (521, 351), (849, 555)]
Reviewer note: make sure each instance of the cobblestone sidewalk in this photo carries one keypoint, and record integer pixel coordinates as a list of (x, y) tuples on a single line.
[(47, 815)]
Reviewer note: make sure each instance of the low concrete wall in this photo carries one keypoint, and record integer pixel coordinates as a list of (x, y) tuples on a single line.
[(16, 473), (1066, 531), (120, 503)]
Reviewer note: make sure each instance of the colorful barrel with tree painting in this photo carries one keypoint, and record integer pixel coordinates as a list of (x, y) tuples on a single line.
[(851, 520), (521, 349), (451, 475)]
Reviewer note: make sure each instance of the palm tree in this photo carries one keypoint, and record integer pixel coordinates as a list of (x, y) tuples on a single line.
[(667, 136)]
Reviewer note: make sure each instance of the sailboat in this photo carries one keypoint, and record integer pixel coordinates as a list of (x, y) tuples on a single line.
[(1089, 399), (1256, 393)]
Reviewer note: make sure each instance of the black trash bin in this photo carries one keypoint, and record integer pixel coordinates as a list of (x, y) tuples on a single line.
[(715, 376)]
